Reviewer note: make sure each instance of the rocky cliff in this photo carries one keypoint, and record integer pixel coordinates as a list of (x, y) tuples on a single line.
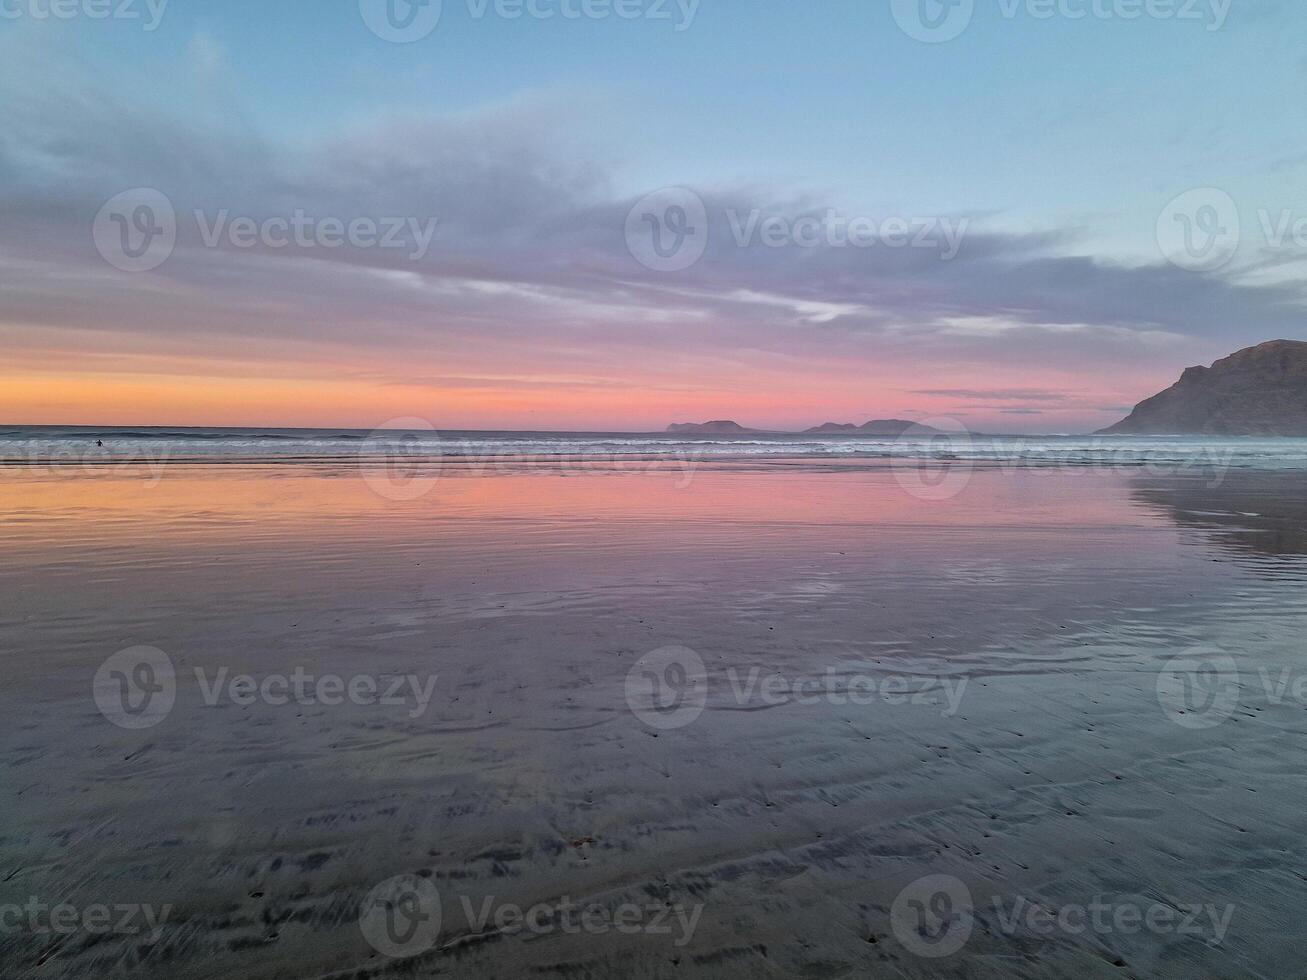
[(1260, 391)]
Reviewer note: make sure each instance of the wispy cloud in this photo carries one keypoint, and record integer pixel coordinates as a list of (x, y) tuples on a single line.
[(529, 265)]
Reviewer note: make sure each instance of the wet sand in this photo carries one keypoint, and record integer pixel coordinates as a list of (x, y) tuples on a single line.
[(1020, 747)]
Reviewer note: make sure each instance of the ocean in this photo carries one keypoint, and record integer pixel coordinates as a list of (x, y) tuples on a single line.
[(773, 698), (91, 444)]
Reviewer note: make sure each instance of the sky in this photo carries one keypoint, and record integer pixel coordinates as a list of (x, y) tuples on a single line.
[(1022, 215)]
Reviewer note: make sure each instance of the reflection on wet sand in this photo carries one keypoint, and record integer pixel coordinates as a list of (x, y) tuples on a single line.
[(1012, 638), (1245, 515)]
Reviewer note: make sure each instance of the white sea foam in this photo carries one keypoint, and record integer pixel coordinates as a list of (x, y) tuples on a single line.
[(50, 445)]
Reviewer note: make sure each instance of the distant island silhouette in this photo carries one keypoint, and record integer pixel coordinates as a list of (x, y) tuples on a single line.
[(1257, 391), (876, 427)]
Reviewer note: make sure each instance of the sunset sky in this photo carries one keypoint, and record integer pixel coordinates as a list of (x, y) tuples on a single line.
[(1057, 143)]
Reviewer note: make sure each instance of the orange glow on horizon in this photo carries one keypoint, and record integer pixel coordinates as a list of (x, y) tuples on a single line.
[(754, 398)]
